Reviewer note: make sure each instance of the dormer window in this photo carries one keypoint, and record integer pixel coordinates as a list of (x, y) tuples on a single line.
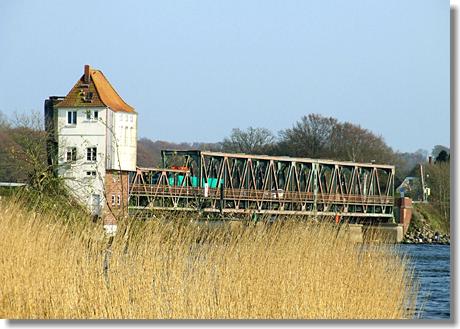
[(88, 96)]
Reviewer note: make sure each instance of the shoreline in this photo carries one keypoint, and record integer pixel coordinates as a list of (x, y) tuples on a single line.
[(426, 243)]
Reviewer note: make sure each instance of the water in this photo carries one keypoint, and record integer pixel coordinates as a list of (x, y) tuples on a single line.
[(432, 268)]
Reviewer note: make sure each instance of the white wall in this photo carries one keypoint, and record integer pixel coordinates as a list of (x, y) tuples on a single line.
[(86, 133), (122, 141), (115, 136)]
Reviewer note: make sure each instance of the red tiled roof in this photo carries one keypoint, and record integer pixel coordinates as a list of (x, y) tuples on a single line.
[(98, 93)]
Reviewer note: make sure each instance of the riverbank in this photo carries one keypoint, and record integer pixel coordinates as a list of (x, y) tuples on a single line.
[(426, 237), (427, 226)]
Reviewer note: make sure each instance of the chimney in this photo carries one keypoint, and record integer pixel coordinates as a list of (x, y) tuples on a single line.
[(86, 77), (430, 159)]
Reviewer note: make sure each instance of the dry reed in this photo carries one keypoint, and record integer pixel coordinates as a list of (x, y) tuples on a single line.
[(164, 269)]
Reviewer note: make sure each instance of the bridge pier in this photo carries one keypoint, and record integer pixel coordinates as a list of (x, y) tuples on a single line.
[(355, 232), (391, 233)]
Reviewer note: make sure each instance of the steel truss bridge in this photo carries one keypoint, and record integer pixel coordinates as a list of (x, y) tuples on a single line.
[(215, 182)]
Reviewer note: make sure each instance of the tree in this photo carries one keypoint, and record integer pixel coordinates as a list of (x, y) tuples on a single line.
[(252, 141), (438, 180), (438, 149), (308, 137), (23, 150), (3, 121), (407, 161), (316, 136), (443, 156)]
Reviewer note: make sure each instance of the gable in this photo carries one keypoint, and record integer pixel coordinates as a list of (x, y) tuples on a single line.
[(94, 90)]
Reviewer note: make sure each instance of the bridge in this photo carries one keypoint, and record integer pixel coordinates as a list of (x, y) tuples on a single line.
[(227, 183)]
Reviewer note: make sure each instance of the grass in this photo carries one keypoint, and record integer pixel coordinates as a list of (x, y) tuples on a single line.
[(53, 268), (430, 214)]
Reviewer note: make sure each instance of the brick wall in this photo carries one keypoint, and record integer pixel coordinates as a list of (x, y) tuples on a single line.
[(116, 191), (405, 212)]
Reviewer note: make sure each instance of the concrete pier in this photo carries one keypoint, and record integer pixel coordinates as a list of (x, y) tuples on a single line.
[(391, 233), (388, 233), (355, 232)]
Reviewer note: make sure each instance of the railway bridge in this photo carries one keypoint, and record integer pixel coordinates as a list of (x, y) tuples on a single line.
[(227, 183)]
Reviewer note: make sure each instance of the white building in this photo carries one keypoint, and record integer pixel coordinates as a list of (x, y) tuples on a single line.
[(95, 132)]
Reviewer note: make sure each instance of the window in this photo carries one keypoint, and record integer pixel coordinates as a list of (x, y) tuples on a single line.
[(113, 199), (71, 155), (131, 118), (92, 115), (118, 199), (90, 174), (91, 153), (72, 117)]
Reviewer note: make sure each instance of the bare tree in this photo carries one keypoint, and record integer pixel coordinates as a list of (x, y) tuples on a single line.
[(353, 143), (316, 136), (4, 123), (23, 149), (252, 140), (309, 137), (438, 180)]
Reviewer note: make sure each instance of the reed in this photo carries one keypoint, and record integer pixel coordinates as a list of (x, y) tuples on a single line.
[(175, 268)]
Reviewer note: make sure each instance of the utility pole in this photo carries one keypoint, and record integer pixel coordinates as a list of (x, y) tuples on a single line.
[(422, 176)]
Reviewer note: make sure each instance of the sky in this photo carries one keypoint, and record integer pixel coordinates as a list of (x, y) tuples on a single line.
[(196, 69)]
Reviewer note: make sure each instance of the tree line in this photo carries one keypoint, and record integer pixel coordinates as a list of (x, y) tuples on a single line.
[(317, 136), (23, 146), (313, 136)]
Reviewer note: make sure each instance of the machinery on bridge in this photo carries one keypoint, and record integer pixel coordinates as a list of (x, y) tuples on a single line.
[(216, 182)]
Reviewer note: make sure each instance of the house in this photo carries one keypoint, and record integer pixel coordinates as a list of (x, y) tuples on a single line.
[(93, 138)]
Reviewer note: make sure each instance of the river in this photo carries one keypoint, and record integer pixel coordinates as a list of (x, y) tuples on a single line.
[(432, 269)]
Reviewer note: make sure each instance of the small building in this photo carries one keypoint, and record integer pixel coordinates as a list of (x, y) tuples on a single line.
[(93, 143)]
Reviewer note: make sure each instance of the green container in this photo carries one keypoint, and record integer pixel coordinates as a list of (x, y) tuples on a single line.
[(212, 182)]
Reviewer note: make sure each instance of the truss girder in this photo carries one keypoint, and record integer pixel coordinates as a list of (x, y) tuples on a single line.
[(223, 182)]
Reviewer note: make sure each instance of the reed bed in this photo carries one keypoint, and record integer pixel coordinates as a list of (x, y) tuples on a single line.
[(176, 268)]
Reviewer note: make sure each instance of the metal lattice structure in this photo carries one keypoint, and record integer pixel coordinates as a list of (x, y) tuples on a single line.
[(256, 184)]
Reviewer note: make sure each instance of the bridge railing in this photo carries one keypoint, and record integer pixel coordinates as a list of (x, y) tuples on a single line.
[(255, 195)]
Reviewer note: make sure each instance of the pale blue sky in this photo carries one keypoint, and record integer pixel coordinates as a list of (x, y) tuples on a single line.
[(196, 69)]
